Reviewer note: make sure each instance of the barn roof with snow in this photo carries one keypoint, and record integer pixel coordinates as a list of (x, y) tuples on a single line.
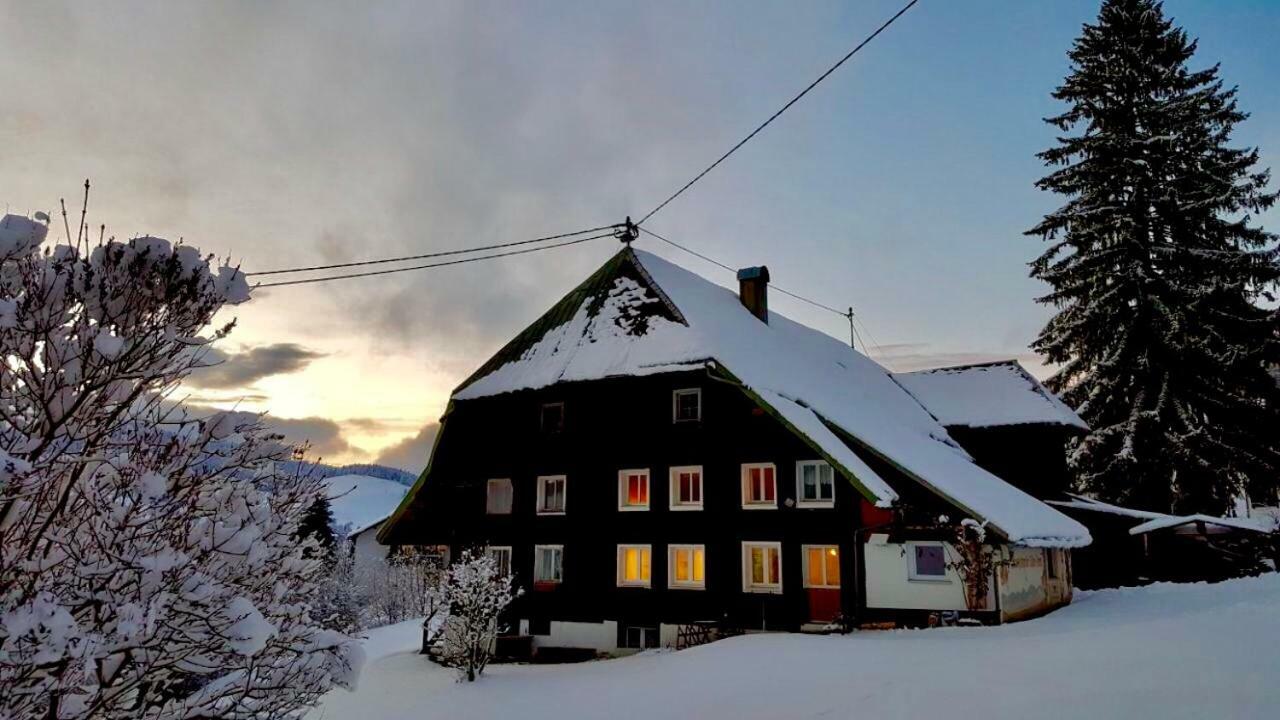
[(993, 394), (639, 314)]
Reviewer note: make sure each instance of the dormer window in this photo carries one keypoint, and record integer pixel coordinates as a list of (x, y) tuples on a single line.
[(553, 417), (687, 405)]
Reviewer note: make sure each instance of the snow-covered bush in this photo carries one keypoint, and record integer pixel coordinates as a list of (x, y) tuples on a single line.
[(402, 588), (475, 591), (341, 597), (148, 566), (974, 561)]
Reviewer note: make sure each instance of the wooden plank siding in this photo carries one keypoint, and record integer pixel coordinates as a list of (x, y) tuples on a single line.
[(626, 423)]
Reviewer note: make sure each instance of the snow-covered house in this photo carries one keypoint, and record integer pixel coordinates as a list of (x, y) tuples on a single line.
[(656, 452), (360, 504)]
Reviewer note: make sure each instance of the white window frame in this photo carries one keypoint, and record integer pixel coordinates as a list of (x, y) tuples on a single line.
[(488, 489), (672, 582), (764, 588), (623, 478), (542, 496), (746, 486), (674, 495), (819, 464), (675, 405), (911, 562), (537, 552), (494, 550), (622, 581), (804, 566)]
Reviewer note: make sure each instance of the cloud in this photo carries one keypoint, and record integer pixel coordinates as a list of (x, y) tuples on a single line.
[(324, 435), (236, 370), (412, 453)]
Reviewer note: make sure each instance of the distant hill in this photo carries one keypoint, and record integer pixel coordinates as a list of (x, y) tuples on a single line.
[(361, 501), (369, 470)]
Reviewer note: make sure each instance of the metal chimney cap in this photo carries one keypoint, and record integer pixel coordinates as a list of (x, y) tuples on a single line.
[(760, 272)]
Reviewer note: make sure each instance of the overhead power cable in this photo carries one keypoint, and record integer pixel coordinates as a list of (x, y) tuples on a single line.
[(424, 256), (460, 261), (781, 110), (846, 314)]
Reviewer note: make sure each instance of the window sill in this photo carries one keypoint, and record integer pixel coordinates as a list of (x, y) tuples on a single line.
[(635, 586), (930, 580), (685, 508), (759, 590), (760, 506), (633, 508), (543, 513), (816, 504), (674, 586)]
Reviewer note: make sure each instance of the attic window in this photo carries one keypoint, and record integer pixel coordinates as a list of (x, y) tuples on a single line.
[(553, 417), (687, 405)]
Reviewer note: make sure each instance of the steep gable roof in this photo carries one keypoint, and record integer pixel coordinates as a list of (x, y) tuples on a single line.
[(990, 394), (640, 314)]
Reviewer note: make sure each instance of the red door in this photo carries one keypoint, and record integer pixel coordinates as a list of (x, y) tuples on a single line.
[(822, 582)]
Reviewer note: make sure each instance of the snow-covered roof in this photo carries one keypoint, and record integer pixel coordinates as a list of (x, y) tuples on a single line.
[(360, 502), (640, 314), (988, 395), (1153, 521)]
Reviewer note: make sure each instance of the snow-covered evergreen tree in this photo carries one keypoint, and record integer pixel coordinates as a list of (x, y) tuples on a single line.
[(317, 523), (148, 560), (1157, 271)]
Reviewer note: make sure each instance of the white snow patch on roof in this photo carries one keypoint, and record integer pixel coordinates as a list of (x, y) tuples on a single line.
[(988, 395), (782, 358), (1159, 521), (359, 502)]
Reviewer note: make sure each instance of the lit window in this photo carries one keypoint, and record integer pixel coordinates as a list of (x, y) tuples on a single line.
[(928, 561), (501, 557), (762, 567), (686, 488), (686, 405), (633, 565), (498, 497), (633, 490), (759, 488), (553, 417), (821, 566), (815, 484), (551, 490), (548, 564), (687, 567)]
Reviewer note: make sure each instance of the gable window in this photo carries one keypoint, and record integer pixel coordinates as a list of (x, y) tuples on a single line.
[(633, 489), (815, 484), (762, 567), (927, 561), (548, 565), (821, 566), (686, 488), (633, 565), (759, 486), (686, 567), (498, 496), (501, 557), (553, 417), (686, 405), (551, 491)]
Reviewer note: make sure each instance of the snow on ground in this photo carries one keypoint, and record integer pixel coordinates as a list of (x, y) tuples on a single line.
[(1167, 651), (360, 501)]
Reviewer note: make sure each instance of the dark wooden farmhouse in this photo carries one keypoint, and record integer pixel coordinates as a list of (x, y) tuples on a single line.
[(657, 452)]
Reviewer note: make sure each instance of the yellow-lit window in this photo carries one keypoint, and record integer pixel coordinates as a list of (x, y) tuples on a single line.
[(821, 566), (762, 567), (633, 565), (687, 565), (633, 490)]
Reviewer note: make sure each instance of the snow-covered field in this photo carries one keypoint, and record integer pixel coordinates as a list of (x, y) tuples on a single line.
[(1166, 651)]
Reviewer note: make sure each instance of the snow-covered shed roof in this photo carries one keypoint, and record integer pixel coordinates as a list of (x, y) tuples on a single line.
[(640, 314), (360, 502), (990, 394), (1152, 521)]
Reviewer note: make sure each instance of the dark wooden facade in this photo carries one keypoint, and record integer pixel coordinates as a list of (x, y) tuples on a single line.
[(1030, 457), (624, 423)]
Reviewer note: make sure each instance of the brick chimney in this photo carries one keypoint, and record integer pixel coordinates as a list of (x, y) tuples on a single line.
[(753, 290)]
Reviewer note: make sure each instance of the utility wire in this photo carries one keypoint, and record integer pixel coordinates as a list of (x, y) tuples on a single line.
[(784, 108), (443, 253), (434, 265)]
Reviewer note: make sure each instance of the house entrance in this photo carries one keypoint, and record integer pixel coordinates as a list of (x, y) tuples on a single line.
[(822, 582)]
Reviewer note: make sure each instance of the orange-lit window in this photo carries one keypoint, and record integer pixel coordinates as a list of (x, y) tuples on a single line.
[(821, 566), (759, 486), (762, 567), (633, 490), (633, 565), (687, 567), (686, 488)]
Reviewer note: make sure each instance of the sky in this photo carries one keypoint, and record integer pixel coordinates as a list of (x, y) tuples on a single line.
[(295, 133)]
